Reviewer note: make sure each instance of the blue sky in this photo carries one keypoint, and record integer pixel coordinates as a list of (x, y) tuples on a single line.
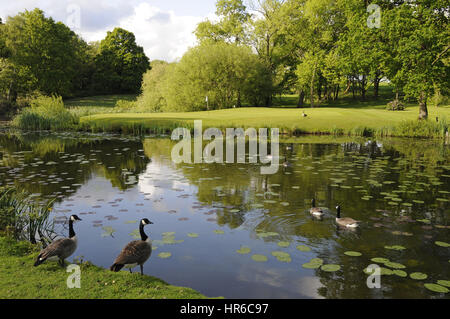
[(163, 27)]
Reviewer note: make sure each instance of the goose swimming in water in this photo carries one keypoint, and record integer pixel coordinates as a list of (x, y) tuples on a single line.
[(315, 211), (61, 248), (345, 221)]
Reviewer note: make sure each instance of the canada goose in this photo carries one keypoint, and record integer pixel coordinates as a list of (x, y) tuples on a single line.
[(60, 248), (135, 252), (345, 221), (304, 114), (316, 211)]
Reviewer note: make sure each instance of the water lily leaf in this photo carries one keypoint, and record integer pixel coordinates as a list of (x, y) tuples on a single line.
[(418, 276), (442, 244), (108, 231), (282, 256), (283, 244), (192, 235), (386, 271), (445, 283), (267, 234), (436, 288), (311, 265), (219, 232), (400, 273), (395, 247), (244, 250), (169, 233), (353, 253), (380, 260), (235, 210), (330, 267), (259, 258), (394, 265), (164, 255), (135, 234), (303, 248), (131, 222)]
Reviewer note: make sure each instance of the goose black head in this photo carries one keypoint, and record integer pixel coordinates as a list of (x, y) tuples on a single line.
[(75, 218), (313, 202), (145, 221)]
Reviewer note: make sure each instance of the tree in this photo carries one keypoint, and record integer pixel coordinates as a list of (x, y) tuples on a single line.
[(231, 27), (120, 63), (418, 37), (223, 72), (48, 49)]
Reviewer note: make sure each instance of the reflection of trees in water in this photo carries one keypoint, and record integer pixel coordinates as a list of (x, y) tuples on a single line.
[(53, 148)]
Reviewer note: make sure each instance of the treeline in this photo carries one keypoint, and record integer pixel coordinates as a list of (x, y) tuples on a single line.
[(38, 54), (319, 49)]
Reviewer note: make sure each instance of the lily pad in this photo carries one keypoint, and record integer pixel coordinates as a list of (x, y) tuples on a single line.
[(445, 283), (436, 288), (135, 234), (108, 231), (282, 256), (164, 255), (313, 263), (219, 232), (400, 273), (380, 260), (244, 250), (303, 248), (283, 244), (352, 253), (330, 267), (442, 244), (392, 264), (395, 247), (418, 276), (192, 235), (259, 258)]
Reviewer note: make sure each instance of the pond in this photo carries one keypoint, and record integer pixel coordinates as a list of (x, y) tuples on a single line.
[(226, 230)]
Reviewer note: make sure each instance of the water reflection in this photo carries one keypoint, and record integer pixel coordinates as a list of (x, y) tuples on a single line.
[(398, 189)]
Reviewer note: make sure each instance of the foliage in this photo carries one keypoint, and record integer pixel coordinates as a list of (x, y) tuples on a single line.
[(120, 63), (21, 218), (225, 73), (45, 113)]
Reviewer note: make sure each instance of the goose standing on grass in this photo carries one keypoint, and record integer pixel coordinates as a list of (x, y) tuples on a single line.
[(345, 221), (315, 211), (61, 248), (135, 252)]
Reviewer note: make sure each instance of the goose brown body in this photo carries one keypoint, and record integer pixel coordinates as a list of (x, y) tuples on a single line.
[(136, 252), (61, 248)]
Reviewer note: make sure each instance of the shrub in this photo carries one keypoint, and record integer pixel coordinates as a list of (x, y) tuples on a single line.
[(45, 113), (395, 105)]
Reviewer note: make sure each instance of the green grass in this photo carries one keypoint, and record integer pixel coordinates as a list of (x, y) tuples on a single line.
[(19, 279), (329, 120)]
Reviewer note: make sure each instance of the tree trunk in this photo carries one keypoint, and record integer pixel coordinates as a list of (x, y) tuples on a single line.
[(301, 99), (363, 87), (311, 97), (423, 110), (336, 93), (238, 103), (376, 85)]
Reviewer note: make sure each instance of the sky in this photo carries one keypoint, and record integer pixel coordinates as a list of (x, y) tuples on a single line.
[(163, 27)]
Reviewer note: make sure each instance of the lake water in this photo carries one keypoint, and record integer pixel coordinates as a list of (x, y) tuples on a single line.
[(203, 214)]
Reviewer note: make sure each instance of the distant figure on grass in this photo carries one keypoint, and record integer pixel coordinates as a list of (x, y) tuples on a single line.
[(304, 114)]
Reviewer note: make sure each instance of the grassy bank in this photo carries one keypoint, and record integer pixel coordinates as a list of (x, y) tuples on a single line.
[(325, 120), (19, 279)]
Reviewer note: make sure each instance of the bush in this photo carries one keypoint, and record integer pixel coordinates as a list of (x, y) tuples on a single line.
[(395, 105), (152, 98), (45, 113)]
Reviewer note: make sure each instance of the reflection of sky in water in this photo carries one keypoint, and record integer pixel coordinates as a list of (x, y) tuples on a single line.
[(200, 199)]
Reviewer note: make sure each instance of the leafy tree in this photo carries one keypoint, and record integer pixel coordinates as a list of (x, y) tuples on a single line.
[(222, 72), (48, 49), (419, 39), (232, 26), (120, 63)]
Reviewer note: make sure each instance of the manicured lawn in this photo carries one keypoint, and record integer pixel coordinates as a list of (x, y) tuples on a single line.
[(19, 279), (322, 119)]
